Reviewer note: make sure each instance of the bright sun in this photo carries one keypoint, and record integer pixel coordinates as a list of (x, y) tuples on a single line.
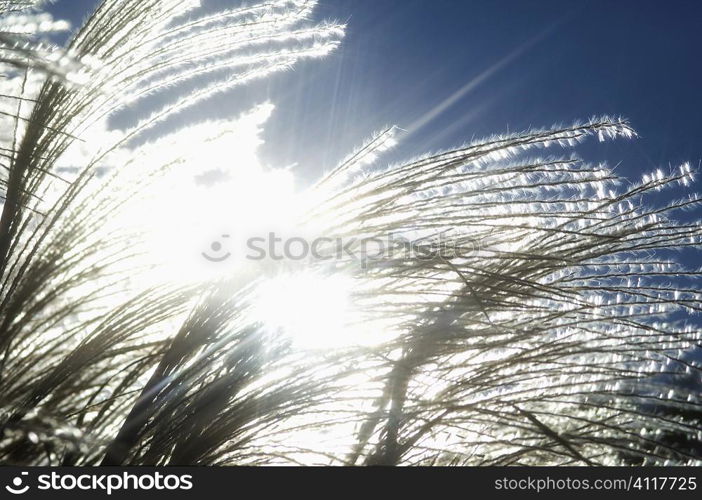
[(313, 310), (198, 231)]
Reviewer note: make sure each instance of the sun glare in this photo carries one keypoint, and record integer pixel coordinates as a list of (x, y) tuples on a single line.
[(198, 217), (313, 310), (199, 222)]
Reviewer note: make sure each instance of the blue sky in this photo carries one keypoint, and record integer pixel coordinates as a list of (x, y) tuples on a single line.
[(451, 70)]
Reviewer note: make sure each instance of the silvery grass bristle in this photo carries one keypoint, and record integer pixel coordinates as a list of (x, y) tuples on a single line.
[(557, 332)]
